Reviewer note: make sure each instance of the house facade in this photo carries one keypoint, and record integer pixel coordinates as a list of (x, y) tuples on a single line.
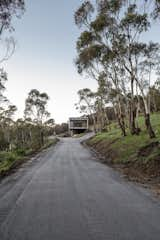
[(78, 125)]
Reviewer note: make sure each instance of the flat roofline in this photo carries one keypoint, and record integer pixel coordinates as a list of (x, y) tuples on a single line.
[(84, 118)]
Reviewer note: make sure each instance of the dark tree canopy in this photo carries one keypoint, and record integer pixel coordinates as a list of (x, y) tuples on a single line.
[(8, 9), (83, 14)]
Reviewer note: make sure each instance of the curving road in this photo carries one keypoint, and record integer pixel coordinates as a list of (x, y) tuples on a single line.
[(64, 194)]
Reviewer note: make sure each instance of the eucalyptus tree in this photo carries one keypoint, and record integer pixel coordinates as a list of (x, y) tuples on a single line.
[(86, 104), (89, 53), (36, 106), (36, 109), (154, 94), (118, 102), (50, 122), (149, 61), (95, 53), (132, 53), (102, 100), (9, 9), (119, 94), (110, 41), (6, 111), (50, 126), (3, 79), (6, 126), (156, 8), (95, 46), (61, 128), (24, 134)]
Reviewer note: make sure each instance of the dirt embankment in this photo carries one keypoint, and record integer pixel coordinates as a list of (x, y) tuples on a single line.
[(143, 166)]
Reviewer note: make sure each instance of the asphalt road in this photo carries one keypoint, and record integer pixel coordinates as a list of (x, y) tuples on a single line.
[(65, 194)]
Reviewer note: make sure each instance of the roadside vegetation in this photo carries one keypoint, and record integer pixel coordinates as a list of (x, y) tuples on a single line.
[(121, 149), (12, 159), (21, 137), (114, 50)]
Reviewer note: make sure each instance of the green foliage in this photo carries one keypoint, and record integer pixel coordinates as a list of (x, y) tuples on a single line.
[(100, 23), (9, 9), (9, 159), (85, 39), (61, 128), (110, 42), (83, 13), (127, 147), (23, 136), (20, 152), (35, 106)]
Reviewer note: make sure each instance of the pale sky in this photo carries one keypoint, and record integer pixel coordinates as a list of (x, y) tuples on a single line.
[(44, 57), (46, 39)]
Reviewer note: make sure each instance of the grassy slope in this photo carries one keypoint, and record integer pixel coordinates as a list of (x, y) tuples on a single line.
[(124, 149), (9, 159)]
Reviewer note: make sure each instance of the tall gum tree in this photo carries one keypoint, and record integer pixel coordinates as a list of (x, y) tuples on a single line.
[(111, 41), (86, 104), (36, 109), (9, 9)]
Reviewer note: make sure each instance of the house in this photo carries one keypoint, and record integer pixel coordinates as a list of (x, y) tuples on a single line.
[(78, 125)]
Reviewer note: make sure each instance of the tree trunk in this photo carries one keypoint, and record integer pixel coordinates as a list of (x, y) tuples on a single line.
[(121, 117), (147, 120), (147, 113), (137, 115), (154, 103), (106, 119), (149, 126), (42, 138), (132, 111), (121, 122), (94, 122)]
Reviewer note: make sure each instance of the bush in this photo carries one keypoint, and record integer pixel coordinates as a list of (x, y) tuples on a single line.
[(21, 152), (11, 157)]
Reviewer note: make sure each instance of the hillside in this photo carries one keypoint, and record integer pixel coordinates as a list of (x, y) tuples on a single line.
[(137, 156)]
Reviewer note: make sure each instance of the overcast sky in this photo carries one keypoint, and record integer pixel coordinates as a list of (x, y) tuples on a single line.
[(45, 52), (46, 38)]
